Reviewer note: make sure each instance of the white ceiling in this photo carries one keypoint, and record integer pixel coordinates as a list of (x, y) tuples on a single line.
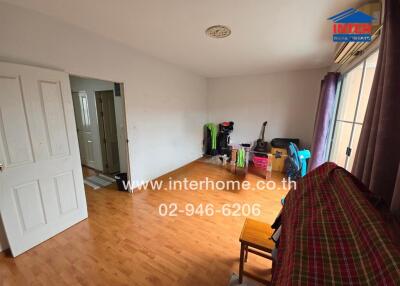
[(267, 35)]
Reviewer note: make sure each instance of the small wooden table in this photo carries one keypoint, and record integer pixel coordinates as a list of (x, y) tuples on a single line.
[(255, 238)]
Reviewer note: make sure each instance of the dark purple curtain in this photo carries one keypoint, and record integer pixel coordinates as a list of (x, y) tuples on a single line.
[(378, 153), (323, 120)]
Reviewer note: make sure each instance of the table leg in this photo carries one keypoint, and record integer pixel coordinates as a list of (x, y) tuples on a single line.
[(246, 253), (241, 263)]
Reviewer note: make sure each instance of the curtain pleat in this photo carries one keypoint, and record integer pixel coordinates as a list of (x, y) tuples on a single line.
[(377, 159)]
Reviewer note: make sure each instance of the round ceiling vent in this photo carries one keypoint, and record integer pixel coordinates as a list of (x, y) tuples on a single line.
[(218, 31)]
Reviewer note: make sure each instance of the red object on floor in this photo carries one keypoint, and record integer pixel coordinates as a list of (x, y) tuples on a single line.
[(260, 162)]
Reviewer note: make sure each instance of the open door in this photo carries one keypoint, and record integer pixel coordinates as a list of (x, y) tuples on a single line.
[(84, 128), (41, 184), (108, 131)]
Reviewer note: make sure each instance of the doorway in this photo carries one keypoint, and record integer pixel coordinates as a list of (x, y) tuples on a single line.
[(101, 127)]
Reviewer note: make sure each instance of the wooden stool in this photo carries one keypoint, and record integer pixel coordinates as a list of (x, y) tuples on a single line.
[(255, 238)]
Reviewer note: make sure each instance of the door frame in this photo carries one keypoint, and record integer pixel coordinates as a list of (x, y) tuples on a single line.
[(122, 91), (128, 162)]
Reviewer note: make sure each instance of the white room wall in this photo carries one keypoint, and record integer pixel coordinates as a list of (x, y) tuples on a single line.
[(287, 100), (166, 106)]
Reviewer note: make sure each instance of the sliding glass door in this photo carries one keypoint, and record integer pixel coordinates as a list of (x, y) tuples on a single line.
[(355, 87)]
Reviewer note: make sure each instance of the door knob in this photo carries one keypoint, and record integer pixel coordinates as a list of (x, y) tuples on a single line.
[(1, 167)]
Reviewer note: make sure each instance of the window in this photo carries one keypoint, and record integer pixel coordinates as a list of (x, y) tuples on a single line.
[(84, 106), (354, 89)]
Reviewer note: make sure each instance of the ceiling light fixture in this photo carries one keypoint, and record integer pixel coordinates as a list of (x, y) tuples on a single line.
[(218, 31)]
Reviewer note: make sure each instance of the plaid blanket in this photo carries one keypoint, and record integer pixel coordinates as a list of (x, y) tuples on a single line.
[(333, 235)]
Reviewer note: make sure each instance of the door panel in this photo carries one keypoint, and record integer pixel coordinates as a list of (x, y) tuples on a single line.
[(370, 66), (81, 147), (90, 149), (28, 201), (108, 130), (54, 114), (350, 91), (67, 199), (13, 123), (84, 128), (41, 187)]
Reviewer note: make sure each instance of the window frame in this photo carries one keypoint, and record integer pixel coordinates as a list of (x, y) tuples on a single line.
[(339, 94)]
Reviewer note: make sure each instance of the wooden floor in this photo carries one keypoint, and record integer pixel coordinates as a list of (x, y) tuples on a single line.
[(126, 242)]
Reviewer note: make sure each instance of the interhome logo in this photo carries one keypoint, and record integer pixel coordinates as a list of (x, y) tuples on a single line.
[(351, 25)]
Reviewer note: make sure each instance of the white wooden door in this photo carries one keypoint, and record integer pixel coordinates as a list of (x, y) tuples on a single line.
[(84, 128), (41, 184)]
